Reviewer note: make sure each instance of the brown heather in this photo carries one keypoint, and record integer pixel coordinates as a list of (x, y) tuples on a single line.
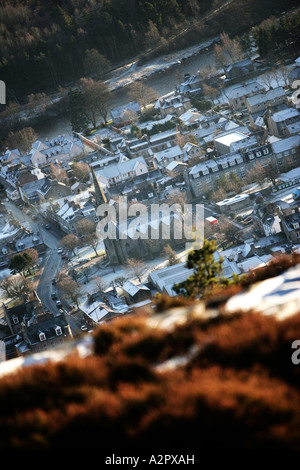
[(239, 390)]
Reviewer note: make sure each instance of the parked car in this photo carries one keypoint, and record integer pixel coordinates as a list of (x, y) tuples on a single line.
[(53, 281), (53, 296), (48, 226)]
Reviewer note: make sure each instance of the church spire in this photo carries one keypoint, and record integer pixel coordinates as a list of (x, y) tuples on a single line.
[(100, 196)]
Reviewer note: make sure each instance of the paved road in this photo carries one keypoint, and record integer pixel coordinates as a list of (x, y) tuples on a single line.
[(51, 263)]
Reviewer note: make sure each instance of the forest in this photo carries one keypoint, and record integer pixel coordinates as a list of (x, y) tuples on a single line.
[(45, 45)]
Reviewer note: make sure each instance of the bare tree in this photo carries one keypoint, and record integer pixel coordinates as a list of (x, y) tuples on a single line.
[(170, 255), (81, 171), (135, 268), (96, 98), (69, 243), (71, 290), (58, 173), (100, 283), (256, 174), (143, 94), (16, 286), (21, 140)]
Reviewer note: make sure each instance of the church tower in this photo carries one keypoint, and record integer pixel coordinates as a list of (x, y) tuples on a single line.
[(100, 196)]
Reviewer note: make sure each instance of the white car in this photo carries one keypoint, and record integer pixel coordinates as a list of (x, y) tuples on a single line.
[(59, 251)]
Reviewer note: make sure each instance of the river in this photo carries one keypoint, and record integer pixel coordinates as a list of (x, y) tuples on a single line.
[(162, 74)]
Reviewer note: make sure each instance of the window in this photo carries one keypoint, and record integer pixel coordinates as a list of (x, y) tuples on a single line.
[(15, 319), (58, 330), (42, 336), (265, 151), (258, 154)]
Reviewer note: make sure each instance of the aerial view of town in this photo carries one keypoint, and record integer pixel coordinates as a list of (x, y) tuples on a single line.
[(149, 227)]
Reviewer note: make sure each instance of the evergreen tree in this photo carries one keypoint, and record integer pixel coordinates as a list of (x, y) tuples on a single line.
[(207, 272), (20, 263), (78, 115)]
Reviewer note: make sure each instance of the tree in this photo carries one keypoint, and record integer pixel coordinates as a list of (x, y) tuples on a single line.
[(267, 79), (95, 64), (170, 255), (69, 243), (227, 228), (70, 289), (33, 253), (255, 174), (96, 99), (81, 171), (16, 286), (78, 115), (119, 281), (86, 230), (21, 140), (272, 171), (20, 263), (86, 271), (100, 283), (135, 268), (218, 195), (152, 36), (210, 92), (58, 173), (235, 182), (142, 93), (207, 272)]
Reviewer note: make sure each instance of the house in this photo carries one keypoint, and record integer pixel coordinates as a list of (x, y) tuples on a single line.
[(191, 119), (135, 292), (232, 141), (10, 155), (61, 149), (163, 140), (192, 150), (124, 170), (286, 149), (238, 95), (176, 168), (177, 104), (278, 122), (121, 113), (101, 307), (139, 147), (239, 69), (52, 189), (72, 212), (191, 86), (205, 173), (291, 225), (295, 72), (164, 157), (38, 329), (163, 280), (261, 101), (265, 219)]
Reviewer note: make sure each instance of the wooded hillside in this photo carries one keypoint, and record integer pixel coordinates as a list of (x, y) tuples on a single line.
[(47, 44)]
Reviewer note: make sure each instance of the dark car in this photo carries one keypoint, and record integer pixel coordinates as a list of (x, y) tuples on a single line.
[(48, 226), (63, 256), (53, 296)]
